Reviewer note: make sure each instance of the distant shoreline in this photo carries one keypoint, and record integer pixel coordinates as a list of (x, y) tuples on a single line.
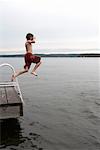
[(55, 55)]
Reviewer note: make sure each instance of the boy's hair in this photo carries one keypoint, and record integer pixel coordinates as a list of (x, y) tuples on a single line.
[(29, 35)]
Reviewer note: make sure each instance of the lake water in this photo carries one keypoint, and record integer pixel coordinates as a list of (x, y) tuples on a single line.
[(62, 107)]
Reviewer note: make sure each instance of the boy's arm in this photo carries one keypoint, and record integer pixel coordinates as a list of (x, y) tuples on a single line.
[(30, 41)]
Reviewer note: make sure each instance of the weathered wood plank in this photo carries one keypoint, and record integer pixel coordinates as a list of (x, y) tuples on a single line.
[(9, 112), (11, 105), (12, 95), (3, 98)]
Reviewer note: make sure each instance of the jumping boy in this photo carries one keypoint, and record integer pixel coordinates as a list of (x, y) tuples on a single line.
[(29, 57)]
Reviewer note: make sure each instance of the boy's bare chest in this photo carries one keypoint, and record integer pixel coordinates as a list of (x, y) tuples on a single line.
[(28, 47)]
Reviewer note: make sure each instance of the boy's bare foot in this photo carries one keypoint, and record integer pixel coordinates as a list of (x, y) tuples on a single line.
[(34, 73), (12, 78)]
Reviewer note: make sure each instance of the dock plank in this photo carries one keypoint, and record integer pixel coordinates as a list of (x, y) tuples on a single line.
[(3, 98), (9, 112), (11, 105), (12, 95)]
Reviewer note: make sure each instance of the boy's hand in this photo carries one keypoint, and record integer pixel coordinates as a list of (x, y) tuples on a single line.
[(31, 41)]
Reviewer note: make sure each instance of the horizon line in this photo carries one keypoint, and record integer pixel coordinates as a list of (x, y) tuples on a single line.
[(15, 49)]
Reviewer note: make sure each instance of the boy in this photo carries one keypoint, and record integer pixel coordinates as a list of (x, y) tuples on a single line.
[(29, 57)]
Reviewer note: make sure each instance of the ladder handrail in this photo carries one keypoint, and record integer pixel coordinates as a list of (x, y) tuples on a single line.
[(6, 64)]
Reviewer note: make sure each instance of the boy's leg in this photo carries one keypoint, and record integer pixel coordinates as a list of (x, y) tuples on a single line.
[(19, 73), (35, 68)]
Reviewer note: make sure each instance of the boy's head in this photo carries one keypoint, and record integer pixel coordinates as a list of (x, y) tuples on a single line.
[(29, 36)]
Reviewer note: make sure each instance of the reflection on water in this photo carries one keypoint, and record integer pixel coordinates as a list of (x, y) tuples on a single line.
[(12, 136), (10, 132)]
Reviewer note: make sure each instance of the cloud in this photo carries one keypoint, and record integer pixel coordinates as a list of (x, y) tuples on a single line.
[(49, 20)]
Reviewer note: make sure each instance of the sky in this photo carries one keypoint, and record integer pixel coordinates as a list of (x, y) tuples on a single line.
[(56, 24)]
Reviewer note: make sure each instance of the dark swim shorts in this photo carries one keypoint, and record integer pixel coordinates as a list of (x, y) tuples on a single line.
[(30, 58)]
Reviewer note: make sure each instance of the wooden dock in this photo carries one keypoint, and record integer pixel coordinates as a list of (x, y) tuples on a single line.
[(11, 101)]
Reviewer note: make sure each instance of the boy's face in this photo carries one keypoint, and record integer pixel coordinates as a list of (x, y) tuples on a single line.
[(31, 38)]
